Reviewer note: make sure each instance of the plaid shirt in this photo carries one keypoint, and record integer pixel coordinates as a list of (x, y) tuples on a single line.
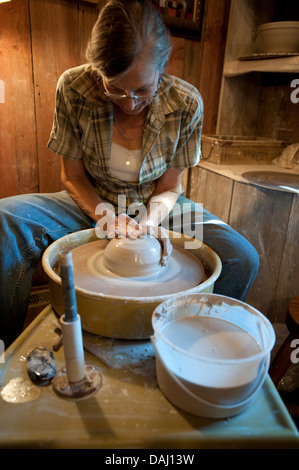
[(82, 129)]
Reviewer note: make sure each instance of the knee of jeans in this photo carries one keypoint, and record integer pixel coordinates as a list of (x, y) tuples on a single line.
[(7, 213), (14, 216), (250, 259), (5, 219), (11, 205)]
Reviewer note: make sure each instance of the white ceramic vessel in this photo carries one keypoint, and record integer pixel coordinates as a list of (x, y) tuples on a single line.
[(133, 258), (278, 37)]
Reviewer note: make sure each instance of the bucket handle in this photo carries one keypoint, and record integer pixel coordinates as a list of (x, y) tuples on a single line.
[(195, 397)]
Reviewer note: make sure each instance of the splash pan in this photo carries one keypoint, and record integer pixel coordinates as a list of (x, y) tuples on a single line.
[(90, 273), (123, 314)]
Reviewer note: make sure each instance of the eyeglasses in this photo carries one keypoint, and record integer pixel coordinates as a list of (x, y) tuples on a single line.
[(139, 97), (126, 95)]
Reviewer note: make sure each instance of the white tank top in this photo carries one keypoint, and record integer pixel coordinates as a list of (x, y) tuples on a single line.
[(125, 164)]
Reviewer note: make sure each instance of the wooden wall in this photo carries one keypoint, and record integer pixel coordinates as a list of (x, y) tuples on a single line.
[(278, 116), (39, 39), (269, 220)]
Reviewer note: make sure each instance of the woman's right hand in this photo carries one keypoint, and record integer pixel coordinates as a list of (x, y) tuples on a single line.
[(161, 235)]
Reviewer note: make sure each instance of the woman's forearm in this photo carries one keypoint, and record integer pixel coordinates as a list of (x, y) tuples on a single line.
[(85, 196), (163, 198), (77, 184), (158, 208)]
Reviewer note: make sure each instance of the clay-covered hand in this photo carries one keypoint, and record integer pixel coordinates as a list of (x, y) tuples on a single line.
[(162, 236), (123, 226)]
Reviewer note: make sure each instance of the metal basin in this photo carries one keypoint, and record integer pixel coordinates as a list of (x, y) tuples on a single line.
[(277, 180)]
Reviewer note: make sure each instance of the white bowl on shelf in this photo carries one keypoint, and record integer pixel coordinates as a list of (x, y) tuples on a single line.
[(278, 37)]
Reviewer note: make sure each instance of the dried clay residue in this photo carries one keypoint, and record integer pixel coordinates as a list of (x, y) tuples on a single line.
[(19, 390)]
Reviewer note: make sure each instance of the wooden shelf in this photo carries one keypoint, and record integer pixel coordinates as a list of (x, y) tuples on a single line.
[(254, 104), (242, 104), (233, 68)]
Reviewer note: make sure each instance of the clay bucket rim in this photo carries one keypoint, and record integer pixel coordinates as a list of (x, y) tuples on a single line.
[(88, 235)]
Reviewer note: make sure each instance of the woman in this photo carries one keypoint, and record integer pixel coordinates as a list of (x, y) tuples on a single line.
[(125, 131)]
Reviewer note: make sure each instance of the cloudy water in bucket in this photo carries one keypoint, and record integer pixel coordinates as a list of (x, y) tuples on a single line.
[(210, 337), (207, 338), (212, 352)]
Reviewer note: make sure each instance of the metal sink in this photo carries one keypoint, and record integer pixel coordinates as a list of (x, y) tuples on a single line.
[(280, 181)]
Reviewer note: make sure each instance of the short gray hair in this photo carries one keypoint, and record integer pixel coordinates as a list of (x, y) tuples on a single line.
[(124, 30)]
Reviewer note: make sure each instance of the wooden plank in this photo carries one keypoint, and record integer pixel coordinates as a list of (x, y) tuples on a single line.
[(239, 97), (55, 46), (88, 15), (203, 60), (245, 17), (176, 60), (197, 184), (284, 64), (276, 102), (101, 4), (288, 280), (212, 190), (212, 60), (192, 62), (262, 216), (18, 159), (239, 105)]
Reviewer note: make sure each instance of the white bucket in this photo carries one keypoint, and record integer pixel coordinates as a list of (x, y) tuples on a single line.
[(213, 347)]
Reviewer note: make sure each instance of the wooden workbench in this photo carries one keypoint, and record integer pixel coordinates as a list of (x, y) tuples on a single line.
[(129, 411)]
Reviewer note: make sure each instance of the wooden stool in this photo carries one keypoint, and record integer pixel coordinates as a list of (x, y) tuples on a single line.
[(282, 360)]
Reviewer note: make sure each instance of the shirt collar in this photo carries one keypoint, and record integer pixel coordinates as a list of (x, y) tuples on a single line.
[(170, 99), (89, 85)]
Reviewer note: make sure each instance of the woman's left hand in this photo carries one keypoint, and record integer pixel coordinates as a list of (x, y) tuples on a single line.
[(161, 235)]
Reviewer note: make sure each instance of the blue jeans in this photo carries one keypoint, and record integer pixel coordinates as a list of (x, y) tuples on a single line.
[(29, 223)]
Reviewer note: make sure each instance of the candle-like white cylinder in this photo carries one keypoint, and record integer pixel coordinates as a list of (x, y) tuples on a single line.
[(68, 286), (73, 349)]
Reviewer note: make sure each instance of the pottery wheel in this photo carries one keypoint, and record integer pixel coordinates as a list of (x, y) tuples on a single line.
[(183, 271)]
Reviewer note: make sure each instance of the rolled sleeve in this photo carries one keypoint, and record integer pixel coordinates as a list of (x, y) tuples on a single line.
[(65, 137), (188, 150)]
